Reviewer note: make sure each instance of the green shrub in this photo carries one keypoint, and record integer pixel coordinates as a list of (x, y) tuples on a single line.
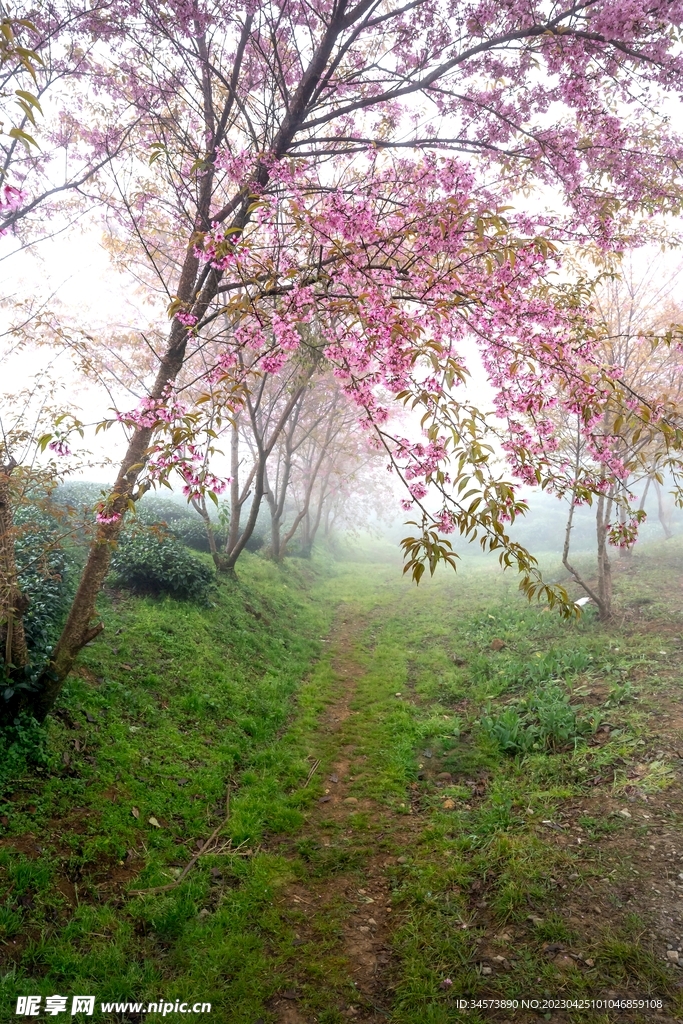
[(22, 743), (545, 721), (509, 731), (192, 532), (43, 568), (148, 561), (44, 578)]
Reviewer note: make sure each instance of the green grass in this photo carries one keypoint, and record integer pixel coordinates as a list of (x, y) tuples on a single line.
[(177, 704)]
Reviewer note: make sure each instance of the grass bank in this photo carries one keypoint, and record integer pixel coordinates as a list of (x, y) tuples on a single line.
[(173, 708)]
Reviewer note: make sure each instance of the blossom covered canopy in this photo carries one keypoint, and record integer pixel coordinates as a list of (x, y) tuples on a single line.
[(401, 181)]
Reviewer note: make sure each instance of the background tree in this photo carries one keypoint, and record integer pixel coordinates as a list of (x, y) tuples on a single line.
[(613, 468)]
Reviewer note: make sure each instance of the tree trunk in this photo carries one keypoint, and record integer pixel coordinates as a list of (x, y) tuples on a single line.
[(603, 512), (275, 532), (13, 603), (565, 558), (664, 518), (313, 527), (200, 507), (235, 503), (79, 629), (275, 519), (234, 553)]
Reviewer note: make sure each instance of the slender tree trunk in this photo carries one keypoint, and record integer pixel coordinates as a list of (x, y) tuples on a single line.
[(595, 597), (235, 504), (258, 475), (259, 488), (275, 532), (602, 518), (664, 519), (13, 603), (643, 497), (200, 507), (311, 528)]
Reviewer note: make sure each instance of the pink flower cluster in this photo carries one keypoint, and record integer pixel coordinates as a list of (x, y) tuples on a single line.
[(186, 319), (152, 413), (59, 447), (190, 463), (11, 198), (105, 515)]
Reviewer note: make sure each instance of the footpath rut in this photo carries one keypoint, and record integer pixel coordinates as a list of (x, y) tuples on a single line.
[(357, 898)]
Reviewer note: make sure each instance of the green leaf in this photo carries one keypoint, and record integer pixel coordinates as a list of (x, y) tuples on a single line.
[(28, 140)]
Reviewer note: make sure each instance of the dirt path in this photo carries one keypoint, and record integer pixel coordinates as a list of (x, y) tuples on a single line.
[(357, 897)]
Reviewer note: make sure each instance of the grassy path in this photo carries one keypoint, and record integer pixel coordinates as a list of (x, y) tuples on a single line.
[(434, 867), (339, 907)]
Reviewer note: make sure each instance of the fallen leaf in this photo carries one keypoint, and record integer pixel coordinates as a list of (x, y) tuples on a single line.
[(153, 821), (135, 812)]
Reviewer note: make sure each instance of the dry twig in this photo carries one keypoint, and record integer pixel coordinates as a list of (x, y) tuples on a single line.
[(206, 847)]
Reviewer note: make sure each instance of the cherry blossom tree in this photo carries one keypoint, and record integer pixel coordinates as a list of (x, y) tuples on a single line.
[(364, 167), (55, 138), (635, 321), (321, 439)]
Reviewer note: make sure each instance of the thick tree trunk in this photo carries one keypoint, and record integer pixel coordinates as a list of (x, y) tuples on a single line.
[(13, 603), (79, 628)]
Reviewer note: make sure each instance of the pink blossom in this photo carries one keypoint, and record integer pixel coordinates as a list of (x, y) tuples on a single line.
[(60, 447)]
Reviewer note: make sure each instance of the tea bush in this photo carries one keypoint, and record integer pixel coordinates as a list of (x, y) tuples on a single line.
[(148, 561)]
